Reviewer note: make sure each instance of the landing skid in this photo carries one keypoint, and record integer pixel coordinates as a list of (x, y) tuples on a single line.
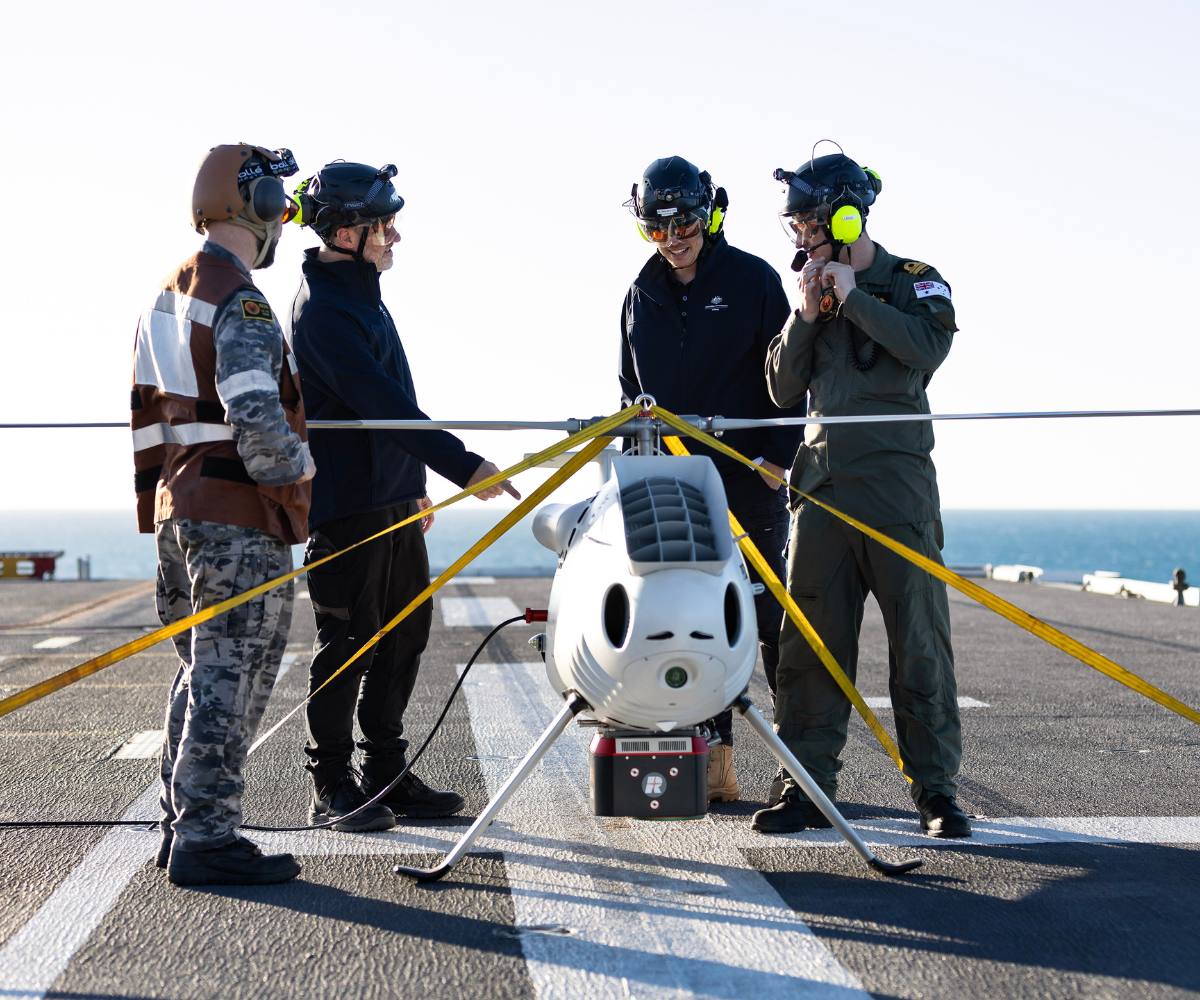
[(572, 708), (785, 757)]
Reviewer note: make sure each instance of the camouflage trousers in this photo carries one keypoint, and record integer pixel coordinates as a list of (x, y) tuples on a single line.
[(227, 668)]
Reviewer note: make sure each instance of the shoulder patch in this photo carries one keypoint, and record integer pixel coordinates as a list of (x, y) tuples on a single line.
[(256, 309), (923, 289), (913, 267)]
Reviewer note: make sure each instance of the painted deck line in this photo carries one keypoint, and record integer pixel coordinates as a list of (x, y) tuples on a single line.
[(656, 911), (285, 665), (1010, 832), (886, 702), (141, 746), (33, 958), (707, 834), (57, 641), (477, 612)]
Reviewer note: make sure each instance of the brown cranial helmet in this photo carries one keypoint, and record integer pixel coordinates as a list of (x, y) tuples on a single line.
[(230, 182)]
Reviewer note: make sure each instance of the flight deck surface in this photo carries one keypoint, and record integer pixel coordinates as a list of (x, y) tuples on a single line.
[(1083, 880)]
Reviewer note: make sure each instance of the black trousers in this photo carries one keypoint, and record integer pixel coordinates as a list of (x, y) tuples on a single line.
[(764, 516), (353, 597)]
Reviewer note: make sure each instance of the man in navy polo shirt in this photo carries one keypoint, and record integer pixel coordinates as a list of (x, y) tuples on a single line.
[(695, 328)]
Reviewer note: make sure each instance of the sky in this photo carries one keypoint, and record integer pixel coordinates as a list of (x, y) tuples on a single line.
[(1042, 156)]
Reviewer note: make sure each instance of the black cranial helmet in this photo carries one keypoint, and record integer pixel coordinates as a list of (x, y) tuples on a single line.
[(674, 197), (828, 180), (348, 194), (831, 193)]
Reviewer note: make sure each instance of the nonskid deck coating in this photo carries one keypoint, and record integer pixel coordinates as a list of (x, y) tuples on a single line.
[(618, 908)]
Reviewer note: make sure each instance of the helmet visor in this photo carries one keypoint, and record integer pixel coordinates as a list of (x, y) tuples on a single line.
[(678, 227), (808, 223)]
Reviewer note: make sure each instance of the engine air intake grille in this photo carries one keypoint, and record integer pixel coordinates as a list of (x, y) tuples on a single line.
[(667, 521)]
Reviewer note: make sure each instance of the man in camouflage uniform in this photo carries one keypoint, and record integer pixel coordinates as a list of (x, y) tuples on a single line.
[(870, 332), (222, 467)]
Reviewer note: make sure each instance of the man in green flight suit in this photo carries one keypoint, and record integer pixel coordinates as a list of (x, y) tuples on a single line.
[(869, 334)]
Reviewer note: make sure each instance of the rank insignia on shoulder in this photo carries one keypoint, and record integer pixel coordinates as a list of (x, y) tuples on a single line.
[(915, 267), (256, 309)]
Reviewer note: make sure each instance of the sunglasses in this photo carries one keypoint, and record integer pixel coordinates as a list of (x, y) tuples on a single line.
[(665, 230)]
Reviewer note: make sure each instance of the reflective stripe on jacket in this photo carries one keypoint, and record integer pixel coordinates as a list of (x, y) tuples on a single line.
[(186, 459)]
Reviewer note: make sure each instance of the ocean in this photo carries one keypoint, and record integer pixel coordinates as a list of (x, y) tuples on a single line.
[(1143, 545)]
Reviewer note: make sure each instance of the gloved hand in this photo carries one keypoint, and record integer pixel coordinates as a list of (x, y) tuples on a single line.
[(318, 547), (310, 467)]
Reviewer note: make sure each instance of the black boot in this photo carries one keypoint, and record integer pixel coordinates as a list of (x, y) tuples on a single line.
[(790, 815), (239, 863), (941, 817), (412, 797), (344, 797)]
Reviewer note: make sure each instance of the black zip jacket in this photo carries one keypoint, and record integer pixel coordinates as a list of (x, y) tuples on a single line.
[(710, 362), (353, 367)]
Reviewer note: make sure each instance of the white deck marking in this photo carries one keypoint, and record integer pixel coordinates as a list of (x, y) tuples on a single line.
[(33, 958), (285, 665), (657, 910), (472, 581), (141, 746), (57, 641), (962, 703), (302, 595), (458, 612)]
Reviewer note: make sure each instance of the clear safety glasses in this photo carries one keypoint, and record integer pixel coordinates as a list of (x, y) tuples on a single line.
[(682, 227), (799, 225), (385, 231)]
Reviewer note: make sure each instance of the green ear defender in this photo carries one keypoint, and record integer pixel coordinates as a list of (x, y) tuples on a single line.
[(845, 224), (716, 217)]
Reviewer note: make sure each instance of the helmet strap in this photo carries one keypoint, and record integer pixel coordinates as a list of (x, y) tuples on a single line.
[(267, 235)]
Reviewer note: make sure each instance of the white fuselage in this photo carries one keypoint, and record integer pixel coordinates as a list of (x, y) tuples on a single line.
[(651, 612)]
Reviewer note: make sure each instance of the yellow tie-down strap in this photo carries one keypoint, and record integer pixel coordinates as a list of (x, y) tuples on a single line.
[(989, 600), (59, 681), (803, 624)]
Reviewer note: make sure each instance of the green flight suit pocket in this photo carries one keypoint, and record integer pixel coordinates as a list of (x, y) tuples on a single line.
[(924, 678)]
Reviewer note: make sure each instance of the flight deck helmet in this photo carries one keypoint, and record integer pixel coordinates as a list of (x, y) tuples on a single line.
[(676, 199), (241, 184), (832, 191), (344, 194)]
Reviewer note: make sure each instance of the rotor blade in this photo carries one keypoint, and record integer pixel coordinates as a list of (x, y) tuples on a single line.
[(705, 423), (736, 424), (571, 426)]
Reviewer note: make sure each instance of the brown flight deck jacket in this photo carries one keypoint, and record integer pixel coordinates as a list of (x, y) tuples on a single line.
[(881, 473)]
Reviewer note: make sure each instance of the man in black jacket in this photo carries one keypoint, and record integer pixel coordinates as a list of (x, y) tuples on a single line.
[(695, 328), (353, 366)]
